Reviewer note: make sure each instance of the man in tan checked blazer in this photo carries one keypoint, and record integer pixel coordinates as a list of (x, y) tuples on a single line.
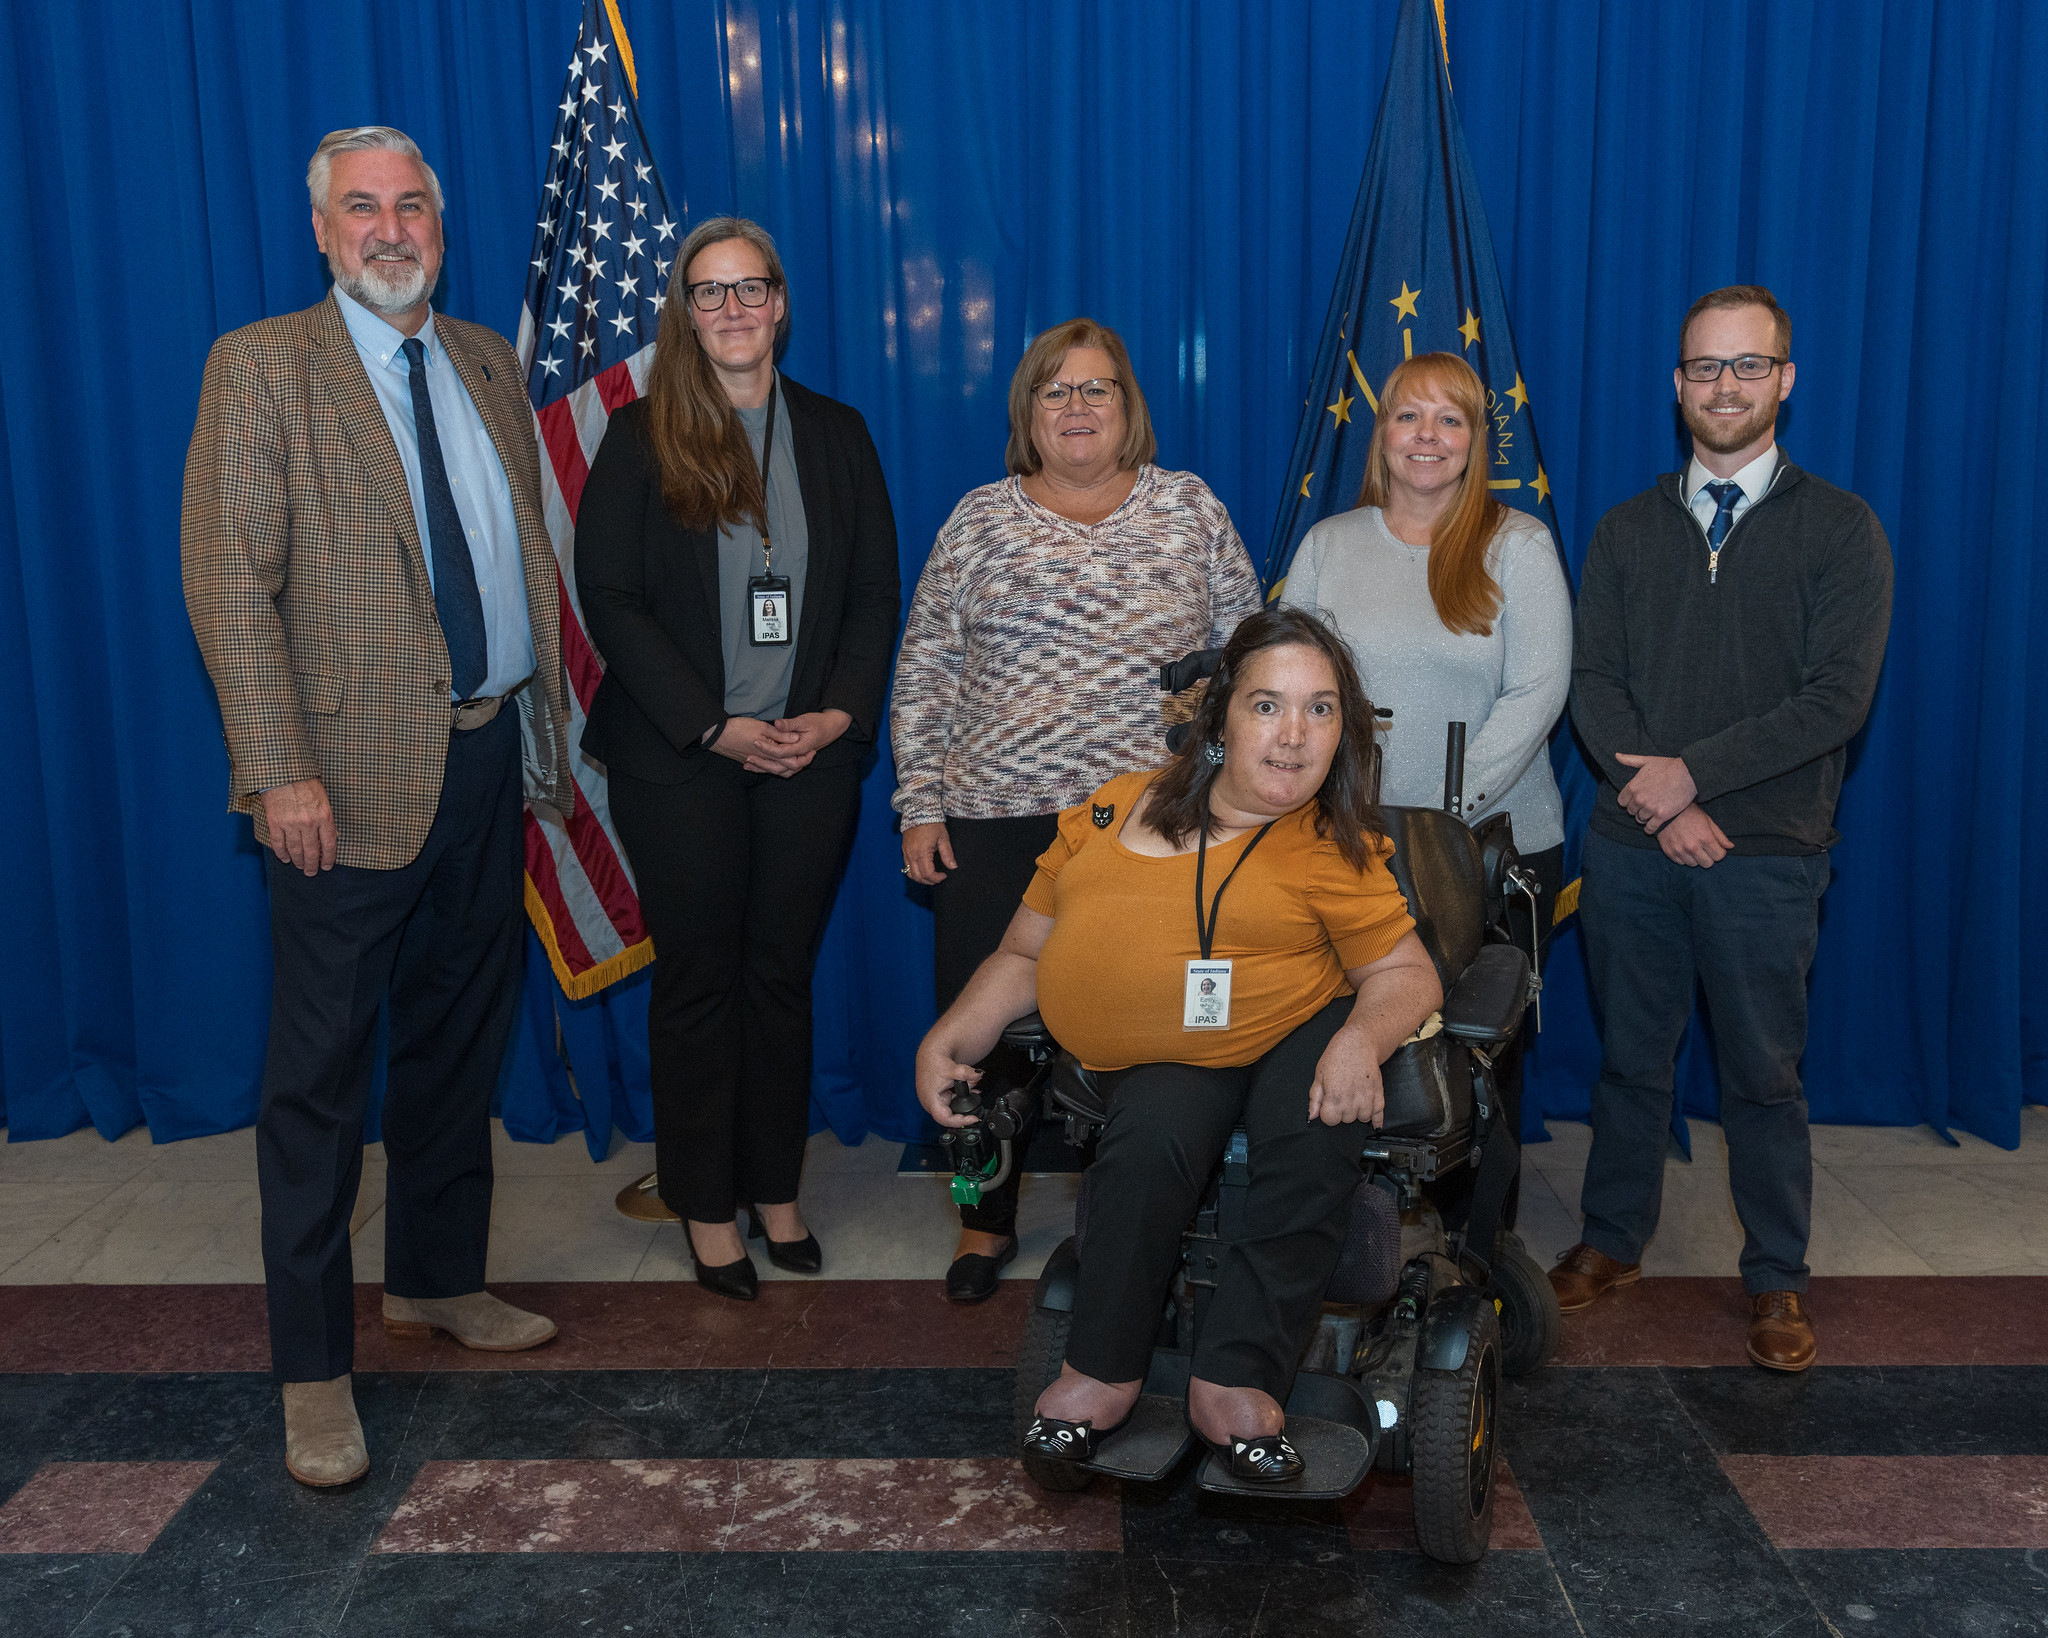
[(372, 585)]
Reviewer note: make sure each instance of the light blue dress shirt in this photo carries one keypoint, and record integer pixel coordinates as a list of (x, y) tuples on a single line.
[(483, 494)]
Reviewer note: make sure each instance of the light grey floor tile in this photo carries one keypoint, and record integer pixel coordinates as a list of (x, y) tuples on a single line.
[(78, 1157), (35, 1211), (1960, 1219), (156, 1232), (564, 1228)]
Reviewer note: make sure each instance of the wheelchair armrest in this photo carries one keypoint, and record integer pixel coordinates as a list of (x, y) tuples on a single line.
[(1028, 1033), (1075, 1092), (1485, 1006)]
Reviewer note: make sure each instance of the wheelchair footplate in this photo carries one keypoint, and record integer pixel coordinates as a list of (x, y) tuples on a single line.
[(1336, 1457), (1145, 1449)]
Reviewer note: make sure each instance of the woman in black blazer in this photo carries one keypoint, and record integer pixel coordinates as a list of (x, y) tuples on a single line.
[(745, 611)]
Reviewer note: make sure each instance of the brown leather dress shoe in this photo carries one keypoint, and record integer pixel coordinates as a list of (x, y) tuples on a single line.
[(1780, 1335), (1583, 1273)]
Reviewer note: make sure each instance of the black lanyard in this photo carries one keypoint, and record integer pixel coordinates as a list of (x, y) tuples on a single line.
[(767, 444), (1207, 933)]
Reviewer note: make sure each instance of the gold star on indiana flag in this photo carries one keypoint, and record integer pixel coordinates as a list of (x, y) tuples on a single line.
[(1404, 304), (1304, 485), (1520, 394), (1470, 328), (1341, 409), (1542, 487)]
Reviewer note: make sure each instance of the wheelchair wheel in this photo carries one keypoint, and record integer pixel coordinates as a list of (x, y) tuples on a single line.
[(1040, 1352), (1452, 1424), (1529, 1320)]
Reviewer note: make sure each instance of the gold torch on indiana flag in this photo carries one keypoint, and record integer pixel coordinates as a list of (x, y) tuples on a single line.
[(1418, 276)]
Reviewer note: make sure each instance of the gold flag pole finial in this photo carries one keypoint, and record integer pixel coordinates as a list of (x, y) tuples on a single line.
[(611, 10), (1443, 38)]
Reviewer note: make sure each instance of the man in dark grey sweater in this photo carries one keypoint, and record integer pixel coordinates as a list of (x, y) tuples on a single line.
[(1731, 624)]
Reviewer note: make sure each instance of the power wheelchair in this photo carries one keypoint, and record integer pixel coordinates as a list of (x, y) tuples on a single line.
[(1419, 1322)]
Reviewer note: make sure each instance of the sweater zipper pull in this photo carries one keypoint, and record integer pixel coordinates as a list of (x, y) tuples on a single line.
[(1713, 567)]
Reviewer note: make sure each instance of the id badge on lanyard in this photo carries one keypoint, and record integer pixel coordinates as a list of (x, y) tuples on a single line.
[(1205, 1002), (768, 613)]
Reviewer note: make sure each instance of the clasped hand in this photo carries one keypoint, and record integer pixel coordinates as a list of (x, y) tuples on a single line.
[(1661, 790), (783, 747)]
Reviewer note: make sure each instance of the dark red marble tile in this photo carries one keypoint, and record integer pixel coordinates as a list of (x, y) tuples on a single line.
[(1379, 1516), (605, 1325), (97, 1507), (905, 1505), (1896, 1502), (1860, 1320), (133, 1328)]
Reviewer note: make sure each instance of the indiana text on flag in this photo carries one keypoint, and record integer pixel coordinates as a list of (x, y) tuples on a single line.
[(601, 257), (1418, 276)]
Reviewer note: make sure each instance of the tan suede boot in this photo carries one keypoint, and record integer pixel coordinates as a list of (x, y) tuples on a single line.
[(478, 1320), (323, 1440)]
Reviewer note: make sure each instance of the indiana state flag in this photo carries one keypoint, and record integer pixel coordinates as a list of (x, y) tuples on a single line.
[(1418, 276)]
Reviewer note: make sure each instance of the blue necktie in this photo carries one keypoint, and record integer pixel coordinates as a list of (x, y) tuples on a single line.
[(457, 603), (1725, 496)]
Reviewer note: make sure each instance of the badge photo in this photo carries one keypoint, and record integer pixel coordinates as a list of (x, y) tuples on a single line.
[(1207, 1000)]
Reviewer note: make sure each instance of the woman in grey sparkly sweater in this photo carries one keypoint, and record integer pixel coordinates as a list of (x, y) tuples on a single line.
[(1457, 610)]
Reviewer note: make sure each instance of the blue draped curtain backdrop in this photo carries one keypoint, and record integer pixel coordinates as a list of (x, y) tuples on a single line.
[(946, 180)]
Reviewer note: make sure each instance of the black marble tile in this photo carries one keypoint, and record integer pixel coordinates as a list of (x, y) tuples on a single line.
[(119, 1418), (1386, 1595), (1176, 1519), (46, 1595), (1645, 1530), (255, 1551), (713, 1413), (1929, 1594), (1870, 1410), (743, 1595)]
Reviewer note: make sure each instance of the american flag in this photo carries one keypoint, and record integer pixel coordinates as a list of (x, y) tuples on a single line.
[(601, 256)]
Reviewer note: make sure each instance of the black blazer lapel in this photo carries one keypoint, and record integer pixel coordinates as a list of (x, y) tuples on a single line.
[(807, 434)]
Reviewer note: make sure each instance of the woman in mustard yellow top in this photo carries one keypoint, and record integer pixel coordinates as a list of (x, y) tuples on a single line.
[(1222, 938)]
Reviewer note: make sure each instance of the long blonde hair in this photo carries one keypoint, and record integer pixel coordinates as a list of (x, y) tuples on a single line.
[(708, 472), (1467, 598)]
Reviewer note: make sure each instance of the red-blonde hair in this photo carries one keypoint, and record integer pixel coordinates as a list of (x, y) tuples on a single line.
[(1467, 597)]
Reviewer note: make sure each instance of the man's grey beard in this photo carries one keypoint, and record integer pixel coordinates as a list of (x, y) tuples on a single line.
[(399, 290)]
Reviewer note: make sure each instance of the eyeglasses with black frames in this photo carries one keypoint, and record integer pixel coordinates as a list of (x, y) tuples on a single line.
[(709, 295), (1054, 394), (1749, 367)]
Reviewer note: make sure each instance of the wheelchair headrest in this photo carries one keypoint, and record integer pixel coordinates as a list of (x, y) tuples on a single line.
[(1442, 874)]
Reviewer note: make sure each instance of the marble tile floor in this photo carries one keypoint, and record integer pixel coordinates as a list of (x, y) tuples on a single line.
[(79, 1210)]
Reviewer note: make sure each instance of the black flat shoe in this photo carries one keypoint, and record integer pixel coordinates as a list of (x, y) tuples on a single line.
[(974, 1277), (1065, 1441), (1266, 1459), (735, 1280), (798, 1256)]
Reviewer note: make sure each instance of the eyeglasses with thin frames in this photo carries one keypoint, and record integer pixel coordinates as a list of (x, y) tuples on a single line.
[(1054, 394), (1749, 367), (709, 295)]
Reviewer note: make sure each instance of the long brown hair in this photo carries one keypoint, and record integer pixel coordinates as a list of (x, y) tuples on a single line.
[(1347, 804), (1041, 362), (708, 472), (1467, 598)]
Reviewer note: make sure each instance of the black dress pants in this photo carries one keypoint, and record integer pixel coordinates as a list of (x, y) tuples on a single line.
[(1745, 931), (736, 872), (971, 910), (441, 939), (1167, 1127)]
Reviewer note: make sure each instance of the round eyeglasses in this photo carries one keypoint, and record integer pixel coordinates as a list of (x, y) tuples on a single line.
[(1749, 367), (1054, 394), (709, 295)]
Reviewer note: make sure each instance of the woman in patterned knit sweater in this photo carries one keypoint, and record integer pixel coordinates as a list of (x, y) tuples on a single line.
[(1029, 670)]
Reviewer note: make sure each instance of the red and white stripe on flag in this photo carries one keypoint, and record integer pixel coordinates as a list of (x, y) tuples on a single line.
[(603, 248)]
